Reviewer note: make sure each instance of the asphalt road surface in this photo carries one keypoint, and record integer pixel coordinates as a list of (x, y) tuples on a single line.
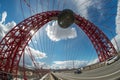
[(108, 72)]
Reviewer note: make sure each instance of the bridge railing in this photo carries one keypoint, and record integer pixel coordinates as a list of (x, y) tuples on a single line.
[(93, 66)]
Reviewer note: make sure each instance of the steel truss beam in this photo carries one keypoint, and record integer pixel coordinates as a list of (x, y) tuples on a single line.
[(13, 44)]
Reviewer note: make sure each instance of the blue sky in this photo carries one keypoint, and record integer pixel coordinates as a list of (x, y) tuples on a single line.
[(62, 50)]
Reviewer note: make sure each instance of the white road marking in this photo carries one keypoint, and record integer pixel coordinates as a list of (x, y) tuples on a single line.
[(95, 77)]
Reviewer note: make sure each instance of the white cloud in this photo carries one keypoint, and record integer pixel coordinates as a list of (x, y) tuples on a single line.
[(72, 63), (4, 28), (116, 39), (80, 8), (118, 18), (56, 33), (116, 42), (93, 61), (36, 55), (4, 15), (41, 65), (84, 5), (68, 64)]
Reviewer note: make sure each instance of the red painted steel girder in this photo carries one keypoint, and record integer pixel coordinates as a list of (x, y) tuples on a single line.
[(13, 44), (101, 43)]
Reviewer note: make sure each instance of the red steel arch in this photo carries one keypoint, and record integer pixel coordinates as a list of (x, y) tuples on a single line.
[(13, 44)]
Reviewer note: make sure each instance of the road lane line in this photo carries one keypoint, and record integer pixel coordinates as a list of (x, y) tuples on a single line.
[(95, 77)]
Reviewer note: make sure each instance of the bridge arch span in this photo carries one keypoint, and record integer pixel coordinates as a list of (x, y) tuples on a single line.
[(13, 44)]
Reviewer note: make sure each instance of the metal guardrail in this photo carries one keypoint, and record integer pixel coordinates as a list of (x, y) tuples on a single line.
[(96, 65), (93, 66)]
